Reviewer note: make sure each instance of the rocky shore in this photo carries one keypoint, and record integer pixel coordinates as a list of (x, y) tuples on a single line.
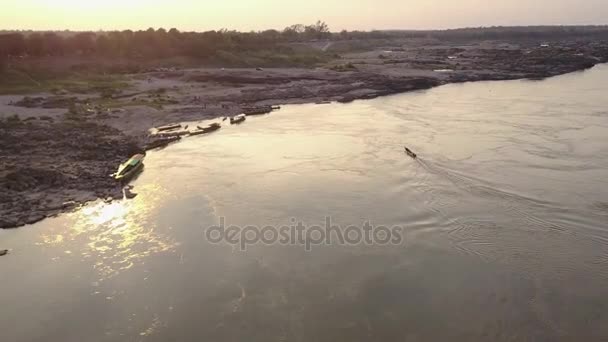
[(58, 150), (49, 167)]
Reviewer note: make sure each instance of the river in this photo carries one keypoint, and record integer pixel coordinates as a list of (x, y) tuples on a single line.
[(504, 221)]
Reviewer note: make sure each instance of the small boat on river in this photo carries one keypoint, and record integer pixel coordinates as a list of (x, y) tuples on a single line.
[(410, 153)]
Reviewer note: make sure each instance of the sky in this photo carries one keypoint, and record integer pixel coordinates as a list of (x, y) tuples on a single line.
[(201, 15)]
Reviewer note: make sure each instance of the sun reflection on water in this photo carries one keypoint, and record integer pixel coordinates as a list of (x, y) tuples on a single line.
[(117, 235)]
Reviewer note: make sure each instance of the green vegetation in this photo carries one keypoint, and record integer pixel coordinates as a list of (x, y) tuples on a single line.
[(483, 33), (80, 62), (79, 110), (137, 47), (60, 62), (14, 81), (144, 46)]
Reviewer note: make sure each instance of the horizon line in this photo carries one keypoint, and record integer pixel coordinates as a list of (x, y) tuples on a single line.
[(3, 30)]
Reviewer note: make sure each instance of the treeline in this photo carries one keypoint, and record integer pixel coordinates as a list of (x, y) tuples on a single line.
[(270, 47), (507, 33), (157, 43)]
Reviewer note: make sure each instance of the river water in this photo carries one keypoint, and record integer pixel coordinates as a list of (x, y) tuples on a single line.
[(504, 217)]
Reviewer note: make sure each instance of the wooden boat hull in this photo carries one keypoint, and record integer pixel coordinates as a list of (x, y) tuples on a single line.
[(208, 129), (257, 110), (162, 142), (168, 127), (129, 169), (237, 119), (129, 175)]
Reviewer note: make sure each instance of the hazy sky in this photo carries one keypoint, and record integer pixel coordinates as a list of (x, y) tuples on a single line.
[(199, 15)]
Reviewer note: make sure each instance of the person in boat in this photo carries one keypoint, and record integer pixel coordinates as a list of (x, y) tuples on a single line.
[(410, 153)]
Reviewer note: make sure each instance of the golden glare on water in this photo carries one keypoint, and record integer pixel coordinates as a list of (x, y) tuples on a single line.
[(118, 234), (114, 213)]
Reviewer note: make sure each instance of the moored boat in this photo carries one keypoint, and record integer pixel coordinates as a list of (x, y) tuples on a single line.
[(257, 110), (238, 119), (161, 142), (202, 130), (168, 127), (127, 170), (170, 134)]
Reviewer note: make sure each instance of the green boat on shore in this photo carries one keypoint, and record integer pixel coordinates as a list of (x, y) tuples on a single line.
[(127, 170)]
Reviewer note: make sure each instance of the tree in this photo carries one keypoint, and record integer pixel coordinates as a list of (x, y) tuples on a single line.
[(104, 46), (293, 32), (321, 27), (83, 43), (54, 44), (3, 63), (12, 44), (35, 45), (319, 30)]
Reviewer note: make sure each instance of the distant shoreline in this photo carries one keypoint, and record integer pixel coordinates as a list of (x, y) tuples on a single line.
[(491, 28)]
